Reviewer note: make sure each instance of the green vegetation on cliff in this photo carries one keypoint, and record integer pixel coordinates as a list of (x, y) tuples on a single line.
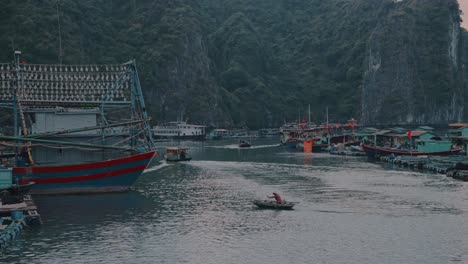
[(258, 63)]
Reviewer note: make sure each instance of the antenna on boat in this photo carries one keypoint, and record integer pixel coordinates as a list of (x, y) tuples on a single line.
[(18, 109), (15, 108), (328, 138), (299, 120), (309, 114), (137, 100), (327, 115), (59, 33)]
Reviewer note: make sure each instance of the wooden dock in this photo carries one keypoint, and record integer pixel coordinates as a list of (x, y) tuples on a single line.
[(27, 206)]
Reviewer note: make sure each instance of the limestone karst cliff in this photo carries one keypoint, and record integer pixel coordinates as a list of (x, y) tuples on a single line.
[(258, 63)]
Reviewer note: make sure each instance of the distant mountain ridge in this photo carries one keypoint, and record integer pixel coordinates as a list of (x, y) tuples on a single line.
[(258, 63)]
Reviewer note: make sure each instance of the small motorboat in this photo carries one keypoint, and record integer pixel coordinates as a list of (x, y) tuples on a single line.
[(269, 204), (174, 154), (357, 149), (244, 144)]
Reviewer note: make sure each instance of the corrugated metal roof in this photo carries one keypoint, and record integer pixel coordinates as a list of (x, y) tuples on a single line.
[(416, 133), (398, 129), (459, 125), (426, 128), (384, 131)]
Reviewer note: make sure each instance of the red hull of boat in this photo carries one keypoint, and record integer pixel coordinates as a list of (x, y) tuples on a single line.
[(115, 175)]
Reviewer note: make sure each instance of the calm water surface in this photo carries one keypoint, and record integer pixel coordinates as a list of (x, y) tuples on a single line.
[(349, 211)]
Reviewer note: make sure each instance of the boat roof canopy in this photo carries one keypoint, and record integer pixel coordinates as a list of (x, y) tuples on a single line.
[(176, 149), (415, 133), (458, 125)]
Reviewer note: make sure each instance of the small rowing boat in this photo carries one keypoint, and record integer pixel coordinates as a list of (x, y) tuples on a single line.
[(268, 204)]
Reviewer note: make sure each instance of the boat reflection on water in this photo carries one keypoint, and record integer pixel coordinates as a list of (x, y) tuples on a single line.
[(94, 209), (308, 158)]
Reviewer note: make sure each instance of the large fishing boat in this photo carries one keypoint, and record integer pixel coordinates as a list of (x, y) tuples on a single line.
[(293, 136), (76, 128), (293, 133), (179, 130)]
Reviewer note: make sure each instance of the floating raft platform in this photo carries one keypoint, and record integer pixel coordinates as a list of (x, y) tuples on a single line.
[(15, 216), (27, 207), (10, 228), (461, 175), (436, 164)]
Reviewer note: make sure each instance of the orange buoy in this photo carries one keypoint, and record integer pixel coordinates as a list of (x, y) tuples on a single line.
[(308, 145)]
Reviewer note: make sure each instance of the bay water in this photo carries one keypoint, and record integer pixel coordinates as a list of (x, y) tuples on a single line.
[(349, 210)]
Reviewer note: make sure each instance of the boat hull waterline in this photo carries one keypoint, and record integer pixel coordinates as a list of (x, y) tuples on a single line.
[(178, 160), (115, 175), (190, 137), (268, 204), (372, 151)]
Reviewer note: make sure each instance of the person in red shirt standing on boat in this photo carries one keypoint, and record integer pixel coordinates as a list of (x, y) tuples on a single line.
[(277, 198)]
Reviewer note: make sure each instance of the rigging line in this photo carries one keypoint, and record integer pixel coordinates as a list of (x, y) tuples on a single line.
[(62, 147), (5, 117), (67, 147), (18, 145), (129, 138), (109, 136)]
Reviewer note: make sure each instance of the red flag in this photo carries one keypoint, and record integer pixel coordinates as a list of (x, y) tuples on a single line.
[(329, 129), (409, 134)]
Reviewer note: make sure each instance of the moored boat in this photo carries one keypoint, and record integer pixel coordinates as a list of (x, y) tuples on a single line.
[(269, 204), (77, 138), (291, 143), (317, 145)]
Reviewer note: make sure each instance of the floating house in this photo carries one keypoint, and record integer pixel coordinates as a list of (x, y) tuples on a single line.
[(218, 133), (458, 130), (426, 128), (366, 134), (395, 137), (428, 145), (459, 134)]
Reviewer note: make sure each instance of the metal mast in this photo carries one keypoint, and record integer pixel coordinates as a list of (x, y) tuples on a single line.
[(137, 92), (15, 106)]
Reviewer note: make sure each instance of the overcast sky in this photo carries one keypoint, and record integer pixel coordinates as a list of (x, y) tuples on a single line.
[(464, 8)]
